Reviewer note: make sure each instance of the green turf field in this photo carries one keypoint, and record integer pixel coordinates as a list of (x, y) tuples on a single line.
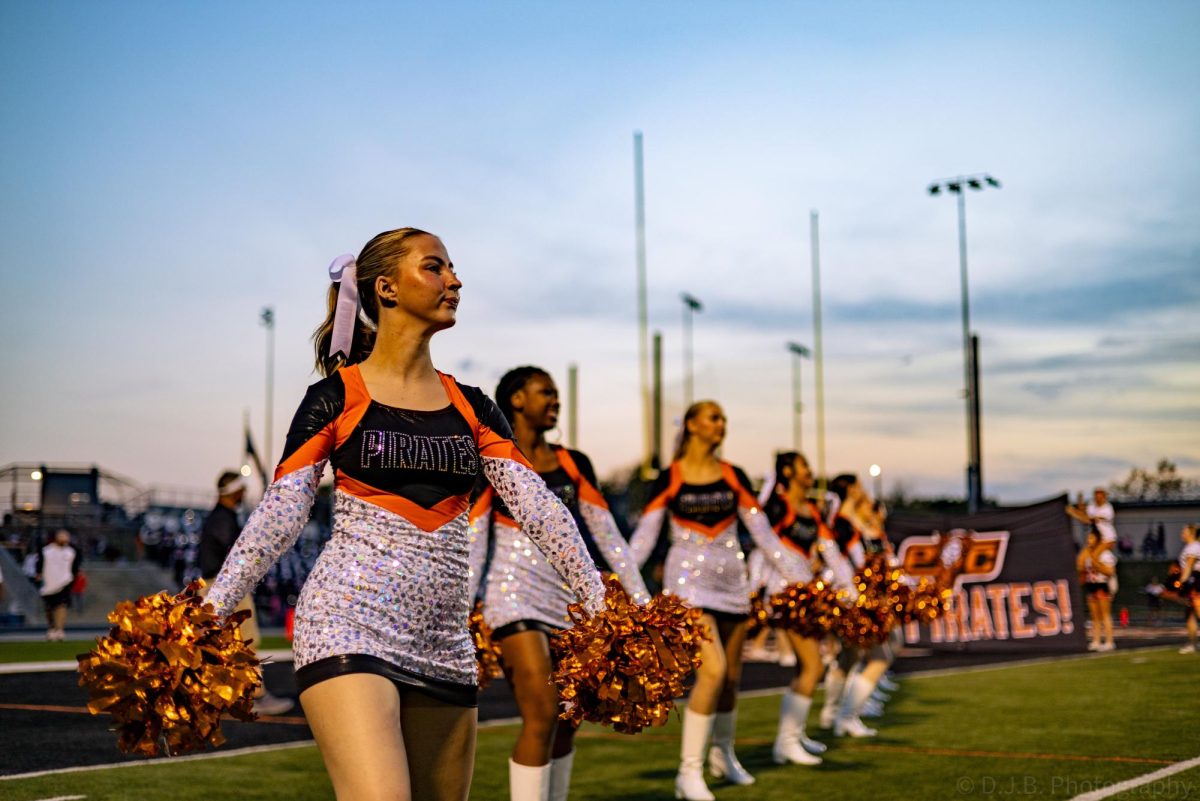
[(1051, 730)]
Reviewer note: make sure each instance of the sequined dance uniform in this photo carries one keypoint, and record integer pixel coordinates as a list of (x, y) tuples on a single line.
[(706, 567), (521, 590), (390, 592), (806, 540)]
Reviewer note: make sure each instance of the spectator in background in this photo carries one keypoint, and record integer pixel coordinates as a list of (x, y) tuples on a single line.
[(221, 530), (57, 567), (1149, 544)]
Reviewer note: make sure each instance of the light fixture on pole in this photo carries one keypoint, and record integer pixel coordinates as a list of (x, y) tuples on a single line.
[(267, 318), (877, 473), (691, 305), (958, 186), (800, 352)]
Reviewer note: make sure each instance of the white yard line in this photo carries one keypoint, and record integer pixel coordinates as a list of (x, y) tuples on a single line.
[(487, 724), (1130, 784), (256, 749), (62, 798), (67, 665)]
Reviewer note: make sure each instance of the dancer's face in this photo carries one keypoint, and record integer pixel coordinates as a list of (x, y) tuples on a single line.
[(423, 285), (802, 475), (537, 402), (708, 426)]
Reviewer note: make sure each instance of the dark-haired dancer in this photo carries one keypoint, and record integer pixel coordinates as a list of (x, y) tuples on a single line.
[(525, 600), (798, 522), (384, 661), (701, 499), (851, 679)]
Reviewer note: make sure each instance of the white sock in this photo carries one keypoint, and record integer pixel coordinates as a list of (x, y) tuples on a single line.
[(560, 776), (528, 782)]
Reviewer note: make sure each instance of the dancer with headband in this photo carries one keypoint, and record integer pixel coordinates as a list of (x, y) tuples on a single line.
[(701, 499), (525, 601), (384, 661)]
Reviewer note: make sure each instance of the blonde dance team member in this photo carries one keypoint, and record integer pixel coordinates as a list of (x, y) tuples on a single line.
[(525, 600), (701, 499), (384, 661)]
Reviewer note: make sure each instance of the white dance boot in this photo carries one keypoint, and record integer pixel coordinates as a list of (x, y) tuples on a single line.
[(560, 776), (835, 681), (854, 696), (789, 747), (722, 762), (528, 782), (689, 782)]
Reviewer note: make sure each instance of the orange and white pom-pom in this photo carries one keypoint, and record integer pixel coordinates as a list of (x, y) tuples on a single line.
[(167, 672), (625, 666), (487, 652), (813, 609)]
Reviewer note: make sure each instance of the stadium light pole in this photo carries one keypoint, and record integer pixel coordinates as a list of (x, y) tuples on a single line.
[(958, 186), (691, 305), (639, 213), (877, 473), (799, 352), (267, 318)]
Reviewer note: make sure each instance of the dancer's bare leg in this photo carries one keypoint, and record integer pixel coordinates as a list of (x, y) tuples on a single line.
[(525, 657), (440, 741), (355, 720)]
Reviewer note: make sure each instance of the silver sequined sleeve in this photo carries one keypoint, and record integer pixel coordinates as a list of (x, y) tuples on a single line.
[(839, 566), (645, 536), (616, 551), (773, 550), (544, 518), (477, 534), (270, 532)]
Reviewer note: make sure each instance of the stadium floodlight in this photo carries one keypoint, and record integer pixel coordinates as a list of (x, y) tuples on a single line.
[(36, 475), (800, 352), (971, 394)]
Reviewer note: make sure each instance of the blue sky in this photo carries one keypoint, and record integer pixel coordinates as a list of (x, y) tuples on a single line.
[(170, 169)]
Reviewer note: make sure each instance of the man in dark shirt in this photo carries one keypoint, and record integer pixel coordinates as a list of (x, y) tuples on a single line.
[(221, 530), (222, 526)]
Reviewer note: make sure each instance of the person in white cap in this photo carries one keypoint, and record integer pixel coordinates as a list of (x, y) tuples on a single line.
[(221, 529)]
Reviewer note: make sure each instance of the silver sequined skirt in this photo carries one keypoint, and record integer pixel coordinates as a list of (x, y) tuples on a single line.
[(385, 588), (707, 572), (521, 584)]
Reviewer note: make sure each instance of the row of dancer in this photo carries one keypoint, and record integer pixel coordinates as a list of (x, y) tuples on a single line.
[(383, 658), (698, 504)]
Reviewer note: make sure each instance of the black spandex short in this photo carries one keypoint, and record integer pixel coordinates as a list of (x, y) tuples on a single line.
[(517, 626), (1096, 588), (345, 664), (726, 617)]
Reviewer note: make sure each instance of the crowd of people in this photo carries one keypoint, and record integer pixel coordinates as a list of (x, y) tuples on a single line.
[(443, 495)]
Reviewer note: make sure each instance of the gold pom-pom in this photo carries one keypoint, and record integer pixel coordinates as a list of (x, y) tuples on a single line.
[(760, 616), (168, 670), (925, 602), (811, 610), (487, 652), (874, 613), (625, 666)]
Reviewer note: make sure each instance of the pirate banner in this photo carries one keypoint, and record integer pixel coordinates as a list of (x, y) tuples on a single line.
[(1013, 575)]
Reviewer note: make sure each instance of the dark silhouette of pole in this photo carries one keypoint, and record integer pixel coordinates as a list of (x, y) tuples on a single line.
[(958, 186), (798, 352), (691, 305)]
